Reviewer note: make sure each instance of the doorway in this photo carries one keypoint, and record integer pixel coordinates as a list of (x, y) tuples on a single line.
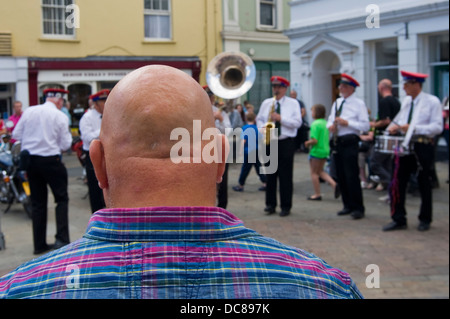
[(325, 79)]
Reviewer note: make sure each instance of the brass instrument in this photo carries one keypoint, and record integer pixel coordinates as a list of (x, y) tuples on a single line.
[(270, 125), (230, 75)]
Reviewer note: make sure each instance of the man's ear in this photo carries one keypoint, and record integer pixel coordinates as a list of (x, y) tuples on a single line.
[(97, 155), (224, 146)]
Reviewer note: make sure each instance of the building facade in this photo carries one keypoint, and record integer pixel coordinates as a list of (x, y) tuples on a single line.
[(84, 46), (370, 40), (255, 27)]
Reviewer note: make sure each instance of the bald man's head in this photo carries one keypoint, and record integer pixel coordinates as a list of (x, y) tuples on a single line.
[(385, 87), (133, 161), (144, 108)]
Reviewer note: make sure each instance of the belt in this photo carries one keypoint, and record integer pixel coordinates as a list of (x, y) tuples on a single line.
[(45, 157), (41, 159), (348, 137), (422, 140)]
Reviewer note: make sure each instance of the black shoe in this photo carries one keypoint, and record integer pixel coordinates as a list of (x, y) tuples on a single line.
[(394, 226), (59, 244), (344, 212), (423, 226), (269, 210), (315, 198), (285, 213), (337, 191), (357, 214), (43, 250)]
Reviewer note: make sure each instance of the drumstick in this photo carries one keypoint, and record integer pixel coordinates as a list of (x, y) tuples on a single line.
[(401, 132)]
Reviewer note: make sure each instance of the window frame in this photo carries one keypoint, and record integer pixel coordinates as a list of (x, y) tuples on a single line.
[(378, 68), (52, 20), (152, 12), (277, 17)]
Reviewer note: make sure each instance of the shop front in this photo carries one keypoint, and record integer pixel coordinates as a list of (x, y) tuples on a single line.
[(83, 77)]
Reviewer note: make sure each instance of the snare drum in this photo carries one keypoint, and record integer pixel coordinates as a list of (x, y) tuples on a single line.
[(391, 145)]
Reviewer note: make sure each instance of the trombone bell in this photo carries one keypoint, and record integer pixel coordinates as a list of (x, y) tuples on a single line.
[(230, 75)]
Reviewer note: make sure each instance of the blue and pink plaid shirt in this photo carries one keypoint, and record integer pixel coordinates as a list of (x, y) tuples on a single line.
[(175, 253)]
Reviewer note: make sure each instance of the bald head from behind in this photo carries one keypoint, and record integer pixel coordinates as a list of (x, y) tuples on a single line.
[(132, 158), (385, 87)]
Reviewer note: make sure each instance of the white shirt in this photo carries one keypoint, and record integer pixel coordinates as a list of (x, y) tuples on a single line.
[(427, 115), (90, 124), (43, 130), (291, 118), (225, 124), (354, 112)]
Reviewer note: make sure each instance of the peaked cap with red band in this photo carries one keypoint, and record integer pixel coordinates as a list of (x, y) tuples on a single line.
[(280, 80), (349, 80), (55, 93), (101, 95), (413, 76)]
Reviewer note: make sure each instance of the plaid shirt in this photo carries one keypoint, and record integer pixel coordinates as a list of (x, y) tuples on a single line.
[(175, 253)]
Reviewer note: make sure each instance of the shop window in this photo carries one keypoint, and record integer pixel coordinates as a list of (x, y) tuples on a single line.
[(157, 19), (55, 17)]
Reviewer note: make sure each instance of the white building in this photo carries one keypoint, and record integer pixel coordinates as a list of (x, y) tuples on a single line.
[(369, 40), (13, 83)]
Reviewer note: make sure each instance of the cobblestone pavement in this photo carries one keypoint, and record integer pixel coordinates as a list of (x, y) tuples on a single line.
[(411, 264)]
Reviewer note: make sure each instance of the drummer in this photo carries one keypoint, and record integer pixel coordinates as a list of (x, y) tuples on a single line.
[(420, 120)]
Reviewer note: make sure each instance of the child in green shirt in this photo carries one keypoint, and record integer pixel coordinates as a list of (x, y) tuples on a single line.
[(319, 143)]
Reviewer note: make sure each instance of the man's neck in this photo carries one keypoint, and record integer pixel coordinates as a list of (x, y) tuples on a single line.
[(415, 95)]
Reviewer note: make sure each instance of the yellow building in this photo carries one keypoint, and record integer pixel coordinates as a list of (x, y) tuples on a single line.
[(88, 45)]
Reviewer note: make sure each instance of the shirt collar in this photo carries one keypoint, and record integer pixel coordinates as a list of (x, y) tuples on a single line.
[(418, 97), (166, 224), (51, 104), (94, 110)]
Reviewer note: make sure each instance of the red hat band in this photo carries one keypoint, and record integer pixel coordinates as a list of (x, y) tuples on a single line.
[(279, 80), (58, 93), (349, 80), (413, 76), (102, 95)]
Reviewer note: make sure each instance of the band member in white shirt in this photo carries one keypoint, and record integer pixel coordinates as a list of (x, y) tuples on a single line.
[(222, 122), (43, 132), (90, 124), (420, 120), (348, 118), (288, 119)]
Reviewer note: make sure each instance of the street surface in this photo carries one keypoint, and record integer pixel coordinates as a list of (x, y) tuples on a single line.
[(411, 264)]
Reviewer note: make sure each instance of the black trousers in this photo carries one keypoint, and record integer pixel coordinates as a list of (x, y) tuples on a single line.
[(95, 192), (420, 163), (222, 190), (347, 172), (50, 171), (285, 171)]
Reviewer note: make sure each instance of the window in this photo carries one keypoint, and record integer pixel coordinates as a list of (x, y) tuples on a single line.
[(157, 19), (386, 63), (439, 65), (54, 18), (267, 13)]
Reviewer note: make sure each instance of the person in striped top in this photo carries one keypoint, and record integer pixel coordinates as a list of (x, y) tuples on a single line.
[(160, 236)]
